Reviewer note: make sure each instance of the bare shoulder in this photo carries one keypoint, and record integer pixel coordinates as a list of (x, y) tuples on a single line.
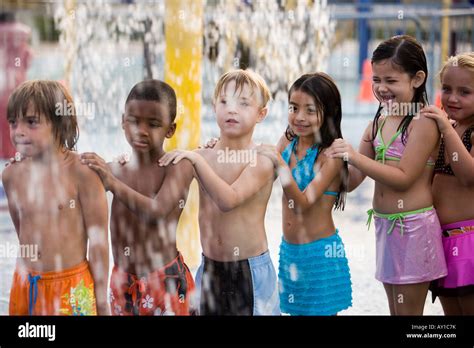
[(368, 130), (12, 171), (9, 171), (264, 163), (325, 160), (118, 169), (81, 172), (424, 124), (204, 151), (208, 154), (182, 168), (282, 143)]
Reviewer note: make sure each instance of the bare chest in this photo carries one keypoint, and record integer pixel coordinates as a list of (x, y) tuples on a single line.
[(147, 182), (45, 193)]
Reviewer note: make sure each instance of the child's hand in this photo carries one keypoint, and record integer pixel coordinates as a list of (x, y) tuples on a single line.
[(272, 153), (97, 163), (340, 148), (177, 155), (15, 159), (122, 159), (441, 118), (210, 144)]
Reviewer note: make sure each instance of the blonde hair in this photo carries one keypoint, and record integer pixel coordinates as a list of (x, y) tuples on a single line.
[(463, 60), (241, 78)]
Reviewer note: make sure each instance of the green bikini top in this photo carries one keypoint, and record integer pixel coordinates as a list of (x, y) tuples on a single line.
[(394, 149)]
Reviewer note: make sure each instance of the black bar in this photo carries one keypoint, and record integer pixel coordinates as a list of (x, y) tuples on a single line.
[(285, 330)]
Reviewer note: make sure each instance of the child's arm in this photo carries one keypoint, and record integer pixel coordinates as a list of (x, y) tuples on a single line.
[(95, 215), (356, 177), (423, 138), (227, 197), (321, 182), (315, 190), (7, 175), (172, 194), (462, 162)]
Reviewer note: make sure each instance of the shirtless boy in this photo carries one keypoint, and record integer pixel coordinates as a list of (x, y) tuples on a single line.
[(149, 275), (236, 276)]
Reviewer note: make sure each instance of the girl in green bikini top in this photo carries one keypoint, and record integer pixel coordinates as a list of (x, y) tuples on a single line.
[(393, 150)]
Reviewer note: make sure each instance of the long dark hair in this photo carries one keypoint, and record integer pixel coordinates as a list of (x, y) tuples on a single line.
[(407, 54), (327, 99)]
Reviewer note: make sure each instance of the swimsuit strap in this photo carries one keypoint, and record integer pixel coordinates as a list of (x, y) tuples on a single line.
[(441, 166), (382, 148), (332, 193), (311, 152), (466, 138), (395, 217), (286, 154), (303, 172)]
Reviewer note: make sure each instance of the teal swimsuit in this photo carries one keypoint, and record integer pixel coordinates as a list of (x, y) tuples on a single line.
[(313, 278), (303, 172)]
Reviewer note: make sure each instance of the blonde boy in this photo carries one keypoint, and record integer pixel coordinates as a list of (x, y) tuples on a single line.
[(236, 276)]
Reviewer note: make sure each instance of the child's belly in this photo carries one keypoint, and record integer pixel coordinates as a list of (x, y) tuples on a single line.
[(314, 224), (453, 202), (51, 244), (388, 200), (233, 237), (139, 247)]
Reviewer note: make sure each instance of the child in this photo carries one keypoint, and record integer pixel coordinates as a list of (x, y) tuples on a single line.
[(236, 276), (453, 184), (57, 207), (314, 273), (149, 276), (395, 152)]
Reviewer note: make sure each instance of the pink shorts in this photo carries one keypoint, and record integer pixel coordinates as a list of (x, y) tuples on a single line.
[(459, 253), (416, 256)]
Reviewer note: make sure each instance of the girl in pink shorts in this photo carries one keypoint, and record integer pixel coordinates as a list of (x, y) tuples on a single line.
[(453, 184), (397, 152)]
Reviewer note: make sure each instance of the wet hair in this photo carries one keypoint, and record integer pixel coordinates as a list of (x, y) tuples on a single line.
[(242, 78), (405, 54), (157, 91), (327, 99), (462, 60), (51, 99)]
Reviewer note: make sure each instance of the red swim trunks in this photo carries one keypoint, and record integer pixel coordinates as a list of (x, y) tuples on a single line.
[(166, 291), (66, 292)]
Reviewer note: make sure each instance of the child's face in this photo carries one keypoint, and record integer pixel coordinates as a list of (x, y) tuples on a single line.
[(32, 134), (457, 93), (237, 112), (146, 124), (303, 116), (391, 85)]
